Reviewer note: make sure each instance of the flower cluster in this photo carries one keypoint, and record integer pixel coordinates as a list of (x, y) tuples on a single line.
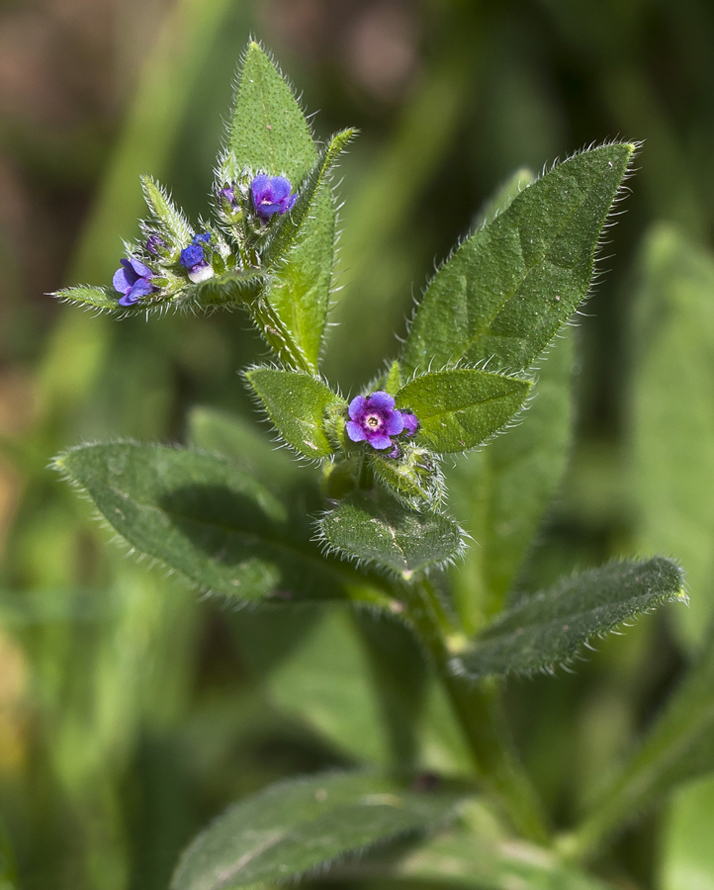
[(375, 420), (244, 211)]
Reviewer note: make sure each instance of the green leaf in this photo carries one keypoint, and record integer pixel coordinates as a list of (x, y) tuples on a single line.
[(510, 286), (484, 859), (215, 524), (290, 225), (297, 405), (502, 492), (269, 133), (673, 415), (459, 409), (415, 477), (372, 527), (239, 440), (299, 825), (93, 297), (174, 225), (509, 190), (548, 628)]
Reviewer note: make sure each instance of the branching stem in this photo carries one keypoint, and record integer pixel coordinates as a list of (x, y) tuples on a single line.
[(478, 710)]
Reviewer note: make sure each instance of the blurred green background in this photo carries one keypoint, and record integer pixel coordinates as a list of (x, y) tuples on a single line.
[(131, 712)]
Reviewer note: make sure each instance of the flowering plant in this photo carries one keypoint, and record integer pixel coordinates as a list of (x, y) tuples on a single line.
[(371, 527)]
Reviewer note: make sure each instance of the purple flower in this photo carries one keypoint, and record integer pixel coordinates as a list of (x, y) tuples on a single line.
[(132, 280), (155, 243), (229, 195), (374, 419), (271, 194), (192, 257), (202, 238)]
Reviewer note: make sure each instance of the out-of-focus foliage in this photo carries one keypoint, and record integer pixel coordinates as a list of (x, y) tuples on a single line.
[(130, 711)]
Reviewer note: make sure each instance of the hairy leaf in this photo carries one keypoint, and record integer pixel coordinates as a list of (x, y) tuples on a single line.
[(173, 223), (269, 133), (215, 524), (93, 297), (510, 286), (502, 492), (459, 409), (549, 627), (374, 528), (302, 824), (290, 224), (297, 405)]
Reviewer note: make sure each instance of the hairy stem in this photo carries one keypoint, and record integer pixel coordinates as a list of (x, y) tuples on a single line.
[(479, 712), (278, 337)]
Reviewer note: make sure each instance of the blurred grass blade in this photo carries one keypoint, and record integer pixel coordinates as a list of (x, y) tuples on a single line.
[(215, 524), (548, 628), (241, 441), (510, 286), (480, 858), (687, 854), (375, 528), (148, 136), (502, 492), (504, 196), (679, 747), (672, 425), (300, 825)]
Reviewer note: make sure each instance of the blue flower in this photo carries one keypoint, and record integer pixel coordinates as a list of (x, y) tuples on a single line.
[(375, 420), (132, 280), (271, 195), (193, 259)]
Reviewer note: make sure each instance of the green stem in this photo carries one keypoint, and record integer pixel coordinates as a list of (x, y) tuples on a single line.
[(478, 709), (278, 337)]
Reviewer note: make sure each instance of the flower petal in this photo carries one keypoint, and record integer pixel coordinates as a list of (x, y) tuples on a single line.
[(381, 400), (355, 431), (280, 188), (411, 424), (141, 270), (258, 187), (192, 256), (129, 299), (266, 209), (290, 202), (393, 423), (357, 407), (380, 441), (124, 279)]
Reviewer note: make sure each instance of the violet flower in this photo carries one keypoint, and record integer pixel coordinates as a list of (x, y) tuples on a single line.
[(193, 259), (132, 280), (155, 243), (271, 195), (374, 420)]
